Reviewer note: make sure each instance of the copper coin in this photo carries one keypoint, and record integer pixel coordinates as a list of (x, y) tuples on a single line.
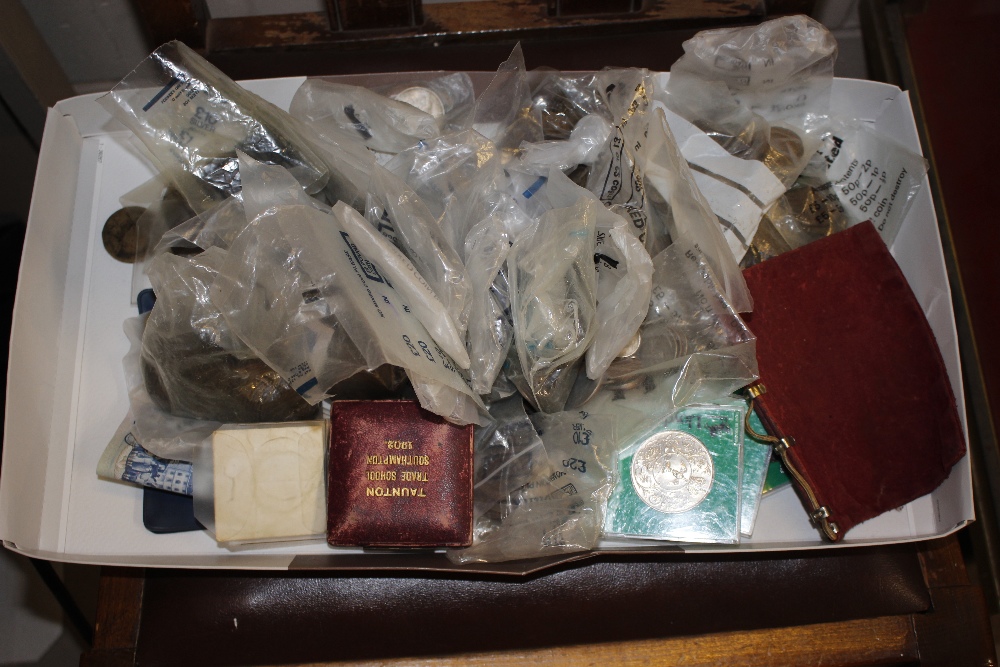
[(121, 236)]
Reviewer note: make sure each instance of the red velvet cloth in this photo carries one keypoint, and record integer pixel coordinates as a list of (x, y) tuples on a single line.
[(854, 375)]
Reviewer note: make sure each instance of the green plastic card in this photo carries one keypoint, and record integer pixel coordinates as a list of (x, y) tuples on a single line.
[(756, 460), (681, 481)]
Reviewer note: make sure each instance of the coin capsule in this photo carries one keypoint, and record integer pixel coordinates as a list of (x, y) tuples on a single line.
[(672, 471)]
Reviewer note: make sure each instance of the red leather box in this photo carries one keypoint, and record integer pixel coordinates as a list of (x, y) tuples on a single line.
[(399, 476)]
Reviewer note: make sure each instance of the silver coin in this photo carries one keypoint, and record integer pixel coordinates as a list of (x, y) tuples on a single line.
[(672, 471), (632, 346), (422, 98)]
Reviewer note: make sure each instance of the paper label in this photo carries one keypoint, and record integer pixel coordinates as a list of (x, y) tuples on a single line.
[(403, 339), (737, 190), (873, 178)]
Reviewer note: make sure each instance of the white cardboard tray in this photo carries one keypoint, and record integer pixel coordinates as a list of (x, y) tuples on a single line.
[(66, 390)]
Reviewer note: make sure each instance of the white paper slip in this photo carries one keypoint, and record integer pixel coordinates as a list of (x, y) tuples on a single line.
[(737, 190)]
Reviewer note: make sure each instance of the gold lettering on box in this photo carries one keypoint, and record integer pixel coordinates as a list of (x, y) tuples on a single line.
[(394, 492), (399, 444), (398, 460)]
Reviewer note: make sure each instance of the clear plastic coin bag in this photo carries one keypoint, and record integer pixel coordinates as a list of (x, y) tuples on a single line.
[(452, 174), (188, 113), (553, 300), (563, 100), (624, 284), (781, 69), (192, 371), (490, 327), (536, 499), (688, 316), (861, 174), (383, 124), (300, 291), (215, 227), (504, 113), (449, 98)]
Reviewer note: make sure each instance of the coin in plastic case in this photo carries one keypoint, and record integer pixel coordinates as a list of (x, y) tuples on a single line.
[(672, 471)]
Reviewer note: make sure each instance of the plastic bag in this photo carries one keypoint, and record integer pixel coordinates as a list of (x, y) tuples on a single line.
[(490, 327), (804, 214), (397, 213), (563, 101), (624, 282), (868, 174), (451, 174), (187, 112), (580, 446), (450, 98), (409, 284), (124, 459), (504, 113), (692, 347), (381, 123), (642, 399), (739, 188), (582, 146), (167, 436), (508, 454), (215, 227), (767, 242), (193, 369), (688, 313), (292, 319), (711, 107), (160, 207), (553, 299), (536, 498), (618, 177), (692, 219), (297, 290), (781, 69)]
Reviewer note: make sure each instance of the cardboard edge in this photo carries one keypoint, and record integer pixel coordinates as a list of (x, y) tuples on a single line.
[(222, 561), (26, 498), (896, 119)]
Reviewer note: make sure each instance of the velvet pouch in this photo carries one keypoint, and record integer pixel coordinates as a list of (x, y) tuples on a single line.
[(852, 387)]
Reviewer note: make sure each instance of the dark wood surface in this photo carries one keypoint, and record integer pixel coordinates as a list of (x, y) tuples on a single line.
[(471, 36), (119, 608), (938, 51)]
